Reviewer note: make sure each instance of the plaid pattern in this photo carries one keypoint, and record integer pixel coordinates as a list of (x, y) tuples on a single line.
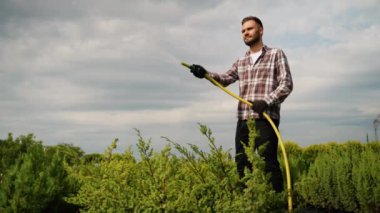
[(267, 79)]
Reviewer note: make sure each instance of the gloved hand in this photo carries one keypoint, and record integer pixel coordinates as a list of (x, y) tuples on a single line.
[(198, 71), (259, 106)]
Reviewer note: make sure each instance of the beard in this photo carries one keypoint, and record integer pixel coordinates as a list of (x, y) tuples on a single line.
[(254, 40)]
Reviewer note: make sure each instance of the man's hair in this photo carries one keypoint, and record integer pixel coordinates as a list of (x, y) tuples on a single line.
[(253, 18)]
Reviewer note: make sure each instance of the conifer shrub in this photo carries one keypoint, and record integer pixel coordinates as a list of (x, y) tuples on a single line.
[(343, 177), (11, 149), (366, 178), (329, 177), (190, 181), (36, 180)]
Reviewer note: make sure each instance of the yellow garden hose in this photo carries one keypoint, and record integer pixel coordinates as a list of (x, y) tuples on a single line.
[(289, 187)]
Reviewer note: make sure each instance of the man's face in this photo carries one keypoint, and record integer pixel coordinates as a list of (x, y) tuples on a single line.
[(251, 32)]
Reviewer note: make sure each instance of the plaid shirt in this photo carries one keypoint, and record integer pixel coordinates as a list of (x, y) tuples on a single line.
[(267, 79)]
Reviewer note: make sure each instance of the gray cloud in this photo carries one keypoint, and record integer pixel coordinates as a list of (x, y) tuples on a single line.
[(89, 71)]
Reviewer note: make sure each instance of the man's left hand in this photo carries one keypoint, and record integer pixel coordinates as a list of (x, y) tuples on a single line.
[(259, 106)]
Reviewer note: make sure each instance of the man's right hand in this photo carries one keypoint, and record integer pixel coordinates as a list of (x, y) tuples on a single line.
[(198, 71)]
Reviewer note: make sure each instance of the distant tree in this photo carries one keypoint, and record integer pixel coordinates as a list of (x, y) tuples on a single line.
[(93, 158), (71, 154)]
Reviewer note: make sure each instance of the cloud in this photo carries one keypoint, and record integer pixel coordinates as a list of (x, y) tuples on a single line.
[(85, 72)]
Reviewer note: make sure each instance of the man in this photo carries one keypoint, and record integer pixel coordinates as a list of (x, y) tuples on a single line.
[(265, 80)]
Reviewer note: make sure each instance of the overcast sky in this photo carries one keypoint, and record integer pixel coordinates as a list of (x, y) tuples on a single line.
[(88, 71)]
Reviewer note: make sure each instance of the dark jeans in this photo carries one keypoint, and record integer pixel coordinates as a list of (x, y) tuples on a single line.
[(266, 134)]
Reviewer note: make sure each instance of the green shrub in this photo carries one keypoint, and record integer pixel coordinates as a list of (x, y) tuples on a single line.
[(343, 177), (36, 180), (330, 177), (194, 181), (366, 178), (11, 149)]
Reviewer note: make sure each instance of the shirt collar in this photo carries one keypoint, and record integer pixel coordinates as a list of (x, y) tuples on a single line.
[(264, 49)]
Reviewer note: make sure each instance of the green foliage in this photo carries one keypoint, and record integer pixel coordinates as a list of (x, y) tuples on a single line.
[(11, 149), (106, 184), (72, 155), (343, 177), (195, 181), (366, 178), (183, 178), (298, 160), (35, 179)]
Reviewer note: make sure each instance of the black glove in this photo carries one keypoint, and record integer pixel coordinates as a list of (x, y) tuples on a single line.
[(259, 106), (198, 71)]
